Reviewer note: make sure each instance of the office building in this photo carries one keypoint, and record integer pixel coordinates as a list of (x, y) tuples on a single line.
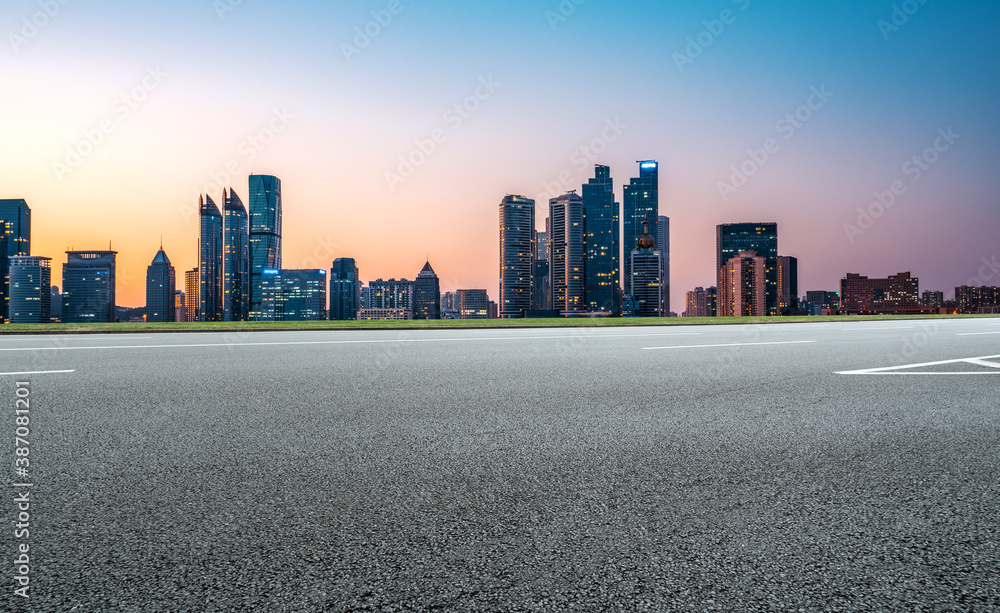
[(210, 260), (88, 280), (663, 244), (427, 294), (895, 295), (541, 290), (391, 294), (819, 300), (30, 289), (180, 309), (449, 306), (641, 204), (293, 295), (161, 285), (601, 223), (932, 299), (517, 248), (541, 249), (265, 233), (473, 304), (712, 301), (235, 258), (55, 304), (15, 240), (345, 290), (192, 301), (646, 266), (697, 303), (743, 280), (377, 314), (788, 284), (760, 238), (971, 300), (566, 272)]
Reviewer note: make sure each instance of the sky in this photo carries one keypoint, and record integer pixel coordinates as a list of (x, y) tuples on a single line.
[(867, 129)]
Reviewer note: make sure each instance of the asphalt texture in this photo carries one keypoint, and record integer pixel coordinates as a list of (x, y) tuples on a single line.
[(713, 468)]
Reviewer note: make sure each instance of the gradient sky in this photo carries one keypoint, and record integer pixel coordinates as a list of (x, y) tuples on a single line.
[(560, 82)]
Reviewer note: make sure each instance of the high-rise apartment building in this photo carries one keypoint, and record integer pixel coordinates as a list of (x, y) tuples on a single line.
[(762, 239), (932, 299), (192, 300), (971, 299), (235, 258), (345, 290), (641, 203), (742, 286), (210, 260), (15, 240), (427, 294), (517, 248), (391, 294), (88, 279), (663, 244), (293, 295), (646, 266), (180, 308), (788, 283), (697, 303), (601, 222), (566, 268), (161, 285), (30, 289), (265, 232)]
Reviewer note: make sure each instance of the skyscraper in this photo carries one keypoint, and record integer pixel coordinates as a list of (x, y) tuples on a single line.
[(192, 299), (88, 279), (601, 243), (788, 283), (161, 283), (210, 260), (30, 289), (641, 203), (517, 238), (15, 228), (663, 244), (265, 232), (293, 295), (55, 304), (761, 238), (473, 304), (566, 268), (697, 303), (345, 290), (235, 259), (646, 264), (426, 294), (742, 286), (180, 310)]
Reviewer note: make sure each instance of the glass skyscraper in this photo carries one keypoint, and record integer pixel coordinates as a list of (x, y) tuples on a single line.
[(517, 237), (762, 238), (641, 203), (646, 264), (30, 289), (236, 259), (89, 287), (601, 243), (427, 294), (265, 233), (345, 290), (210, 261), (15, 239), (566, 268), (663, 244), (161, 283)]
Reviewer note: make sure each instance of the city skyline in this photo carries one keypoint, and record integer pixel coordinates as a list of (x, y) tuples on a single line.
[(333, 132)]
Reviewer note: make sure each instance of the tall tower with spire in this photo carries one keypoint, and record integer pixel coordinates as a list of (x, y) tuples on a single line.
[(235, 259), (427, 294), (161, 282), (210, 260), (646, 267)]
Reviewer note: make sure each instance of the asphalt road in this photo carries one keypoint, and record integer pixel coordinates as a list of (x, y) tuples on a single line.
[(716, 468)]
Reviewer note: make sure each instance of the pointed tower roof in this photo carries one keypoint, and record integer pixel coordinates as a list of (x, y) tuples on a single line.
[(161, 257), (427, 271), (232, 202), (208, 207), (646, 241)]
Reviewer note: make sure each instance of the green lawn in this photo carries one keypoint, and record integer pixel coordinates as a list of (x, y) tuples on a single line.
[(441, 324)]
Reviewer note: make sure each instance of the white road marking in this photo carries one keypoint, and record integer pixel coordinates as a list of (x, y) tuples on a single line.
[(867, 329), (36, 372), (977, 333), (894, 370), (345, 342), (731, 345)]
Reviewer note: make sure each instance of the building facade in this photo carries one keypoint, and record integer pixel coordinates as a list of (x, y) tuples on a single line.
[(601, 223), (427, 294), (88, 279), (712, 301), (932, 299), (192, 301), (972, 300), (663, 244), (788, 283), (646, 266), (742, 288), (697, 303), (265, 233), (391, 294), (566, 268), (641, 203), (517, 248), (30, 289), (473, 304), (15, 240), (376, 314), (210, 261), (235, 258), (345, 290), (760, 238), (293, 295), (161, 286), (895, 295)]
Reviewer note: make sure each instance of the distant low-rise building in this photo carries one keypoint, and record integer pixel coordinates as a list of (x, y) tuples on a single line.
[(474, 304), (895, 295), (377, 314), (973, 300)]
